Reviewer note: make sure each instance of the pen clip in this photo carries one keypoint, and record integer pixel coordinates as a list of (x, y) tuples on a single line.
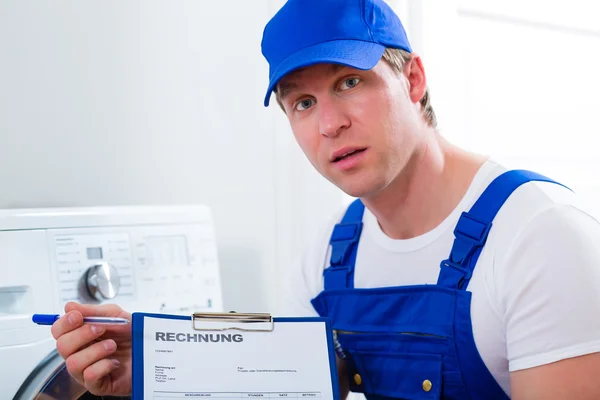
[(247, 322)]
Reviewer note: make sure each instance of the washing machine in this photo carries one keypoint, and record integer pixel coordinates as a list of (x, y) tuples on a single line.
[(151, 259)]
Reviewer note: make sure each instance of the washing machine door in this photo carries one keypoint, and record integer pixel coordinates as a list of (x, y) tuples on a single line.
[(51, 381)]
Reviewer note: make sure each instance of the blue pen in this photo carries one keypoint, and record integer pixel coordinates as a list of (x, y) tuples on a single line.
[(49, 319)]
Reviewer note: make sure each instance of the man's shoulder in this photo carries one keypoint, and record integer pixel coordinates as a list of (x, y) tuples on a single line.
[(317, 246), (538, 212), (535, 198), (530, 198), (335, 218)]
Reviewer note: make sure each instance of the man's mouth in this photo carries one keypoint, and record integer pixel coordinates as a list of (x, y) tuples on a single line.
[(347, 154)]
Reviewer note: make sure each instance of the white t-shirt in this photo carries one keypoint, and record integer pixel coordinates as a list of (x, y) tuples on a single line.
[(535, 289)]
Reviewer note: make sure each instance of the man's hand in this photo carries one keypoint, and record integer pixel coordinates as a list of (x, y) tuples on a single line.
[(97, 356)]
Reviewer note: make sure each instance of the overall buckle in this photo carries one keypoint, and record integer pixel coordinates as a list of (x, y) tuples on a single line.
[(467, 273), (343, 237), (472, 229), (469, 234)]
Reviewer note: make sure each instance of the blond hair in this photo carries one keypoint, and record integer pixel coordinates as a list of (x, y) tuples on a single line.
[(396, 58)]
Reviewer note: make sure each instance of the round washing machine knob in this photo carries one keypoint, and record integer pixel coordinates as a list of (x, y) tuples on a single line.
[(102, 281)]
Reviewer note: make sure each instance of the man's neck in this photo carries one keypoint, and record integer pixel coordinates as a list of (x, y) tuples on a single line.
[(428, 190)]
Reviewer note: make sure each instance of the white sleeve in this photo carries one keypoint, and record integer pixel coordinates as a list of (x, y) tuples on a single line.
[(303, 280), (550, 288), (297, 291)]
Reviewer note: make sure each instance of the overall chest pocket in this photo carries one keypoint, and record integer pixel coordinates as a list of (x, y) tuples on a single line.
[(400, 376)]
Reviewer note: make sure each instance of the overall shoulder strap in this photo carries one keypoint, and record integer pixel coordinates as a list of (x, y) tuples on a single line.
[(473, 227), (344, 243)]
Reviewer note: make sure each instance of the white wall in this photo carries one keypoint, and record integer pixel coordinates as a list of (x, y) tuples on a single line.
[(519, 80), (156, 102)]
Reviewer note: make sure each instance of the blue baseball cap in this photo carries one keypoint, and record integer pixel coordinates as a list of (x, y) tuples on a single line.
[(348, 32)]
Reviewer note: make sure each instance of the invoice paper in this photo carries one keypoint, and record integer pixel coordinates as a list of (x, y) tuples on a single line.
[(292, 361)]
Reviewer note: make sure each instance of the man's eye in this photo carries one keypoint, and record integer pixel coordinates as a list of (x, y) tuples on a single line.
[(304, 104), (349, 83)]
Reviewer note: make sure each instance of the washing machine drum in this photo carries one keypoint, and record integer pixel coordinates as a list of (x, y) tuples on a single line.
[(51, 381)]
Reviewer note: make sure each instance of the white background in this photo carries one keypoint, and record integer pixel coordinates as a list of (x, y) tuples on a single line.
[(160, 102)]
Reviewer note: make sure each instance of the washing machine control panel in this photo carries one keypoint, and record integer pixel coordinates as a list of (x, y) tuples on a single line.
[(173, 268), (79, 259), (102, 281)]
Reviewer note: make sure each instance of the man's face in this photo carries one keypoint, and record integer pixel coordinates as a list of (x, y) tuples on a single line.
[(357, 128)]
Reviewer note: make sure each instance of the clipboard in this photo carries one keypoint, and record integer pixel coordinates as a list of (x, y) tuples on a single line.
[(218, 323)]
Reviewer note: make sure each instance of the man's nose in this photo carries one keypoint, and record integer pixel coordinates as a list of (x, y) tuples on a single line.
[(332, 118)]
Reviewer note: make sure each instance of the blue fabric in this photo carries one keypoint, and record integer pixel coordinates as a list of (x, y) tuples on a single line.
[(376, 310), (344, 246), (473, 227), (476, 377), (377, 367), (404, 340), (347, 32)]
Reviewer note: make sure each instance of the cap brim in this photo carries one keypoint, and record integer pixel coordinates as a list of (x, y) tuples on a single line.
[(352, 53)]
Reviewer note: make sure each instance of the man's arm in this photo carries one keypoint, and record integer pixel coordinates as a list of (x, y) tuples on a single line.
[(550, 300), (573, 378)]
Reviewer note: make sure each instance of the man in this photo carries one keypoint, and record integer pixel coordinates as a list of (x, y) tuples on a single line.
[(450, 277)]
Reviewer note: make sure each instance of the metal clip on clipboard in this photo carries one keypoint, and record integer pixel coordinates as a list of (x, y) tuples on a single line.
[(247, 322)]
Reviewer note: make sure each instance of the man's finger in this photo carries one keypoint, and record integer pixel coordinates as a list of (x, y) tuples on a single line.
[(78, 362), (97, 378), (66, 323), (104, 310), (71, 342)]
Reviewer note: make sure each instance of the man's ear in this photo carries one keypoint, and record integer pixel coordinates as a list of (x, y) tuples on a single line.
[(415, 74)]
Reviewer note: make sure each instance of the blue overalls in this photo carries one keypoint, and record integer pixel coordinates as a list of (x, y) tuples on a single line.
[(414, 342)]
